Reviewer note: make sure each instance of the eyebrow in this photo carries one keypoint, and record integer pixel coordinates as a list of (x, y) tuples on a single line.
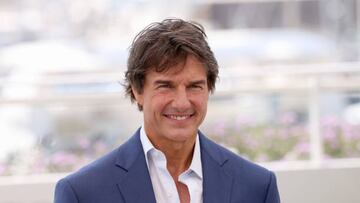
[(159, 82), (196, 82)]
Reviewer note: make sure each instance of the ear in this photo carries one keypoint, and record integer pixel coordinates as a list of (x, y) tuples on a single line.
[(138, 97)]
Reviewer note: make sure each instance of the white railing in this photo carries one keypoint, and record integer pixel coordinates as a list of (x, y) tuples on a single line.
[(309, 78)]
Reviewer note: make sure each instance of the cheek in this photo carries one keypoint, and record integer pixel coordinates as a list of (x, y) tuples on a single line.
[(158, 101), (201, 102)]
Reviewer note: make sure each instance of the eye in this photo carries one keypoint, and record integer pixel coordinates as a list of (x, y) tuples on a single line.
[(163, 86), (196, 87)]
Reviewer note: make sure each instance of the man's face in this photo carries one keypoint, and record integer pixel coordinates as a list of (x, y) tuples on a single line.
[(174, 102)]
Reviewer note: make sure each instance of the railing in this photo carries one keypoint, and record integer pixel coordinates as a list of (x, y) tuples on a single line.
[(310, 79)]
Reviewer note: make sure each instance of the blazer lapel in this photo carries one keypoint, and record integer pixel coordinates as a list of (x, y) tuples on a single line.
[(217, 183), (135, 186)]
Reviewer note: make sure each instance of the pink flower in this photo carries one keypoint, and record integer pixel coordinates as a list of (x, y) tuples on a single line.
[(64, 158), (329, 134), (2, 168), (302, 147), (83, 142), (330, 121), (220, 129), (288, 118)]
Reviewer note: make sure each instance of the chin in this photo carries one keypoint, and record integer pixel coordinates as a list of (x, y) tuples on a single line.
[(182, 134)]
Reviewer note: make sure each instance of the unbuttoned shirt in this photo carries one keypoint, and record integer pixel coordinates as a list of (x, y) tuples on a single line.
[(163, 184)]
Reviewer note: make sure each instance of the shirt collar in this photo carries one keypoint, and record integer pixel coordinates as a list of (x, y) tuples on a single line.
[(195, 166)]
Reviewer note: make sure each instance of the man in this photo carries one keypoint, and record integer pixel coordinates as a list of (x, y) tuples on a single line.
[(171, 72)]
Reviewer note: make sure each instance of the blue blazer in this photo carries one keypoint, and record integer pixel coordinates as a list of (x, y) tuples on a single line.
[(122, 176)]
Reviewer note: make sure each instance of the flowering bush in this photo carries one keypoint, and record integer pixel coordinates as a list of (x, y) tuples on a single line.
[(284, 139), (44, 159), (341, 140)]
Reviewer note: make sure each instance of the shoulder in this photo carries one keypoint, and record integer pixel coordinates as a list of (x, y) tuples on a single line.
[(237, 166), (252, 182), (96, 173), (105, 172), (109, 163), (257, 182), (98, 167), (82, 184)]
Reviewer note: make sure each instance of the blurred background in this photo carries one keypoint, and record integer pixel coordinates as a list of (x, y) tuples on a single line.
[(288, 95)]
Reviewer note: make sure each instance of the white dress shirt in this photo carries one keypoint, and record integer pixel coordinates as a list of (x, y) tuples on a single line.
[(163, 183)]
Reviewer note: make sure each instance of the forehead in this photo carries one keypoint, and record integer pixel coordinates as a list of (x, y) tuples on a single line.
[(190, 67)]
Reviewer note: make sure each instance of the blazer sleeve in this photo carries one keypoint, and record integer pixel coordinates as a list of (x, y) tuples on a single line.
[(272, 195), (64, 193)]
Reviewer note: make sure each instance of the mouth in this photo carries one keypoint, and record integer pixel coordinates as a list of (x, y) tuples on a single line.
[(178, 117)]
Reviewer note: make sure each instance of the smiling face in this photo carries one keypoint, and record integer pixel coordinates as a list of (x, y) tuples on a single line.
[(174, 102)]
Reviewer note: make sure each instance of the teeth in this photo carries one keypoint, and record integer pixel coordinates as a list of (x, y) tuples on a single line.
[(179, 118)]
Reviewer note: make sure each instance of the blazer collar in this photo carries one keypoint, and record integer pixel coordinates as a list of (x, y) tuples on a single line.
[(135, 186), (217, 181)]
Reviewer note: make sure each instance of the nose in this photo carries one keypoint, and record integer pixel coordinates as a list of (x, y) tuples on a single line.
[(181, 100)]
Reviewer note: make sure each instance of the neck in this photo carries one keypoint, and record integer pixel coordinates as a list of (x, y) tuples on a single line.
[(179, 159), (178, 154)]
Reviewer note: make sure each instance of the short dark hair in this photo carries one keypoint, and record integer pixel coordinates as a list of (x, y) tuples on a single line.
[(162, 45)]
